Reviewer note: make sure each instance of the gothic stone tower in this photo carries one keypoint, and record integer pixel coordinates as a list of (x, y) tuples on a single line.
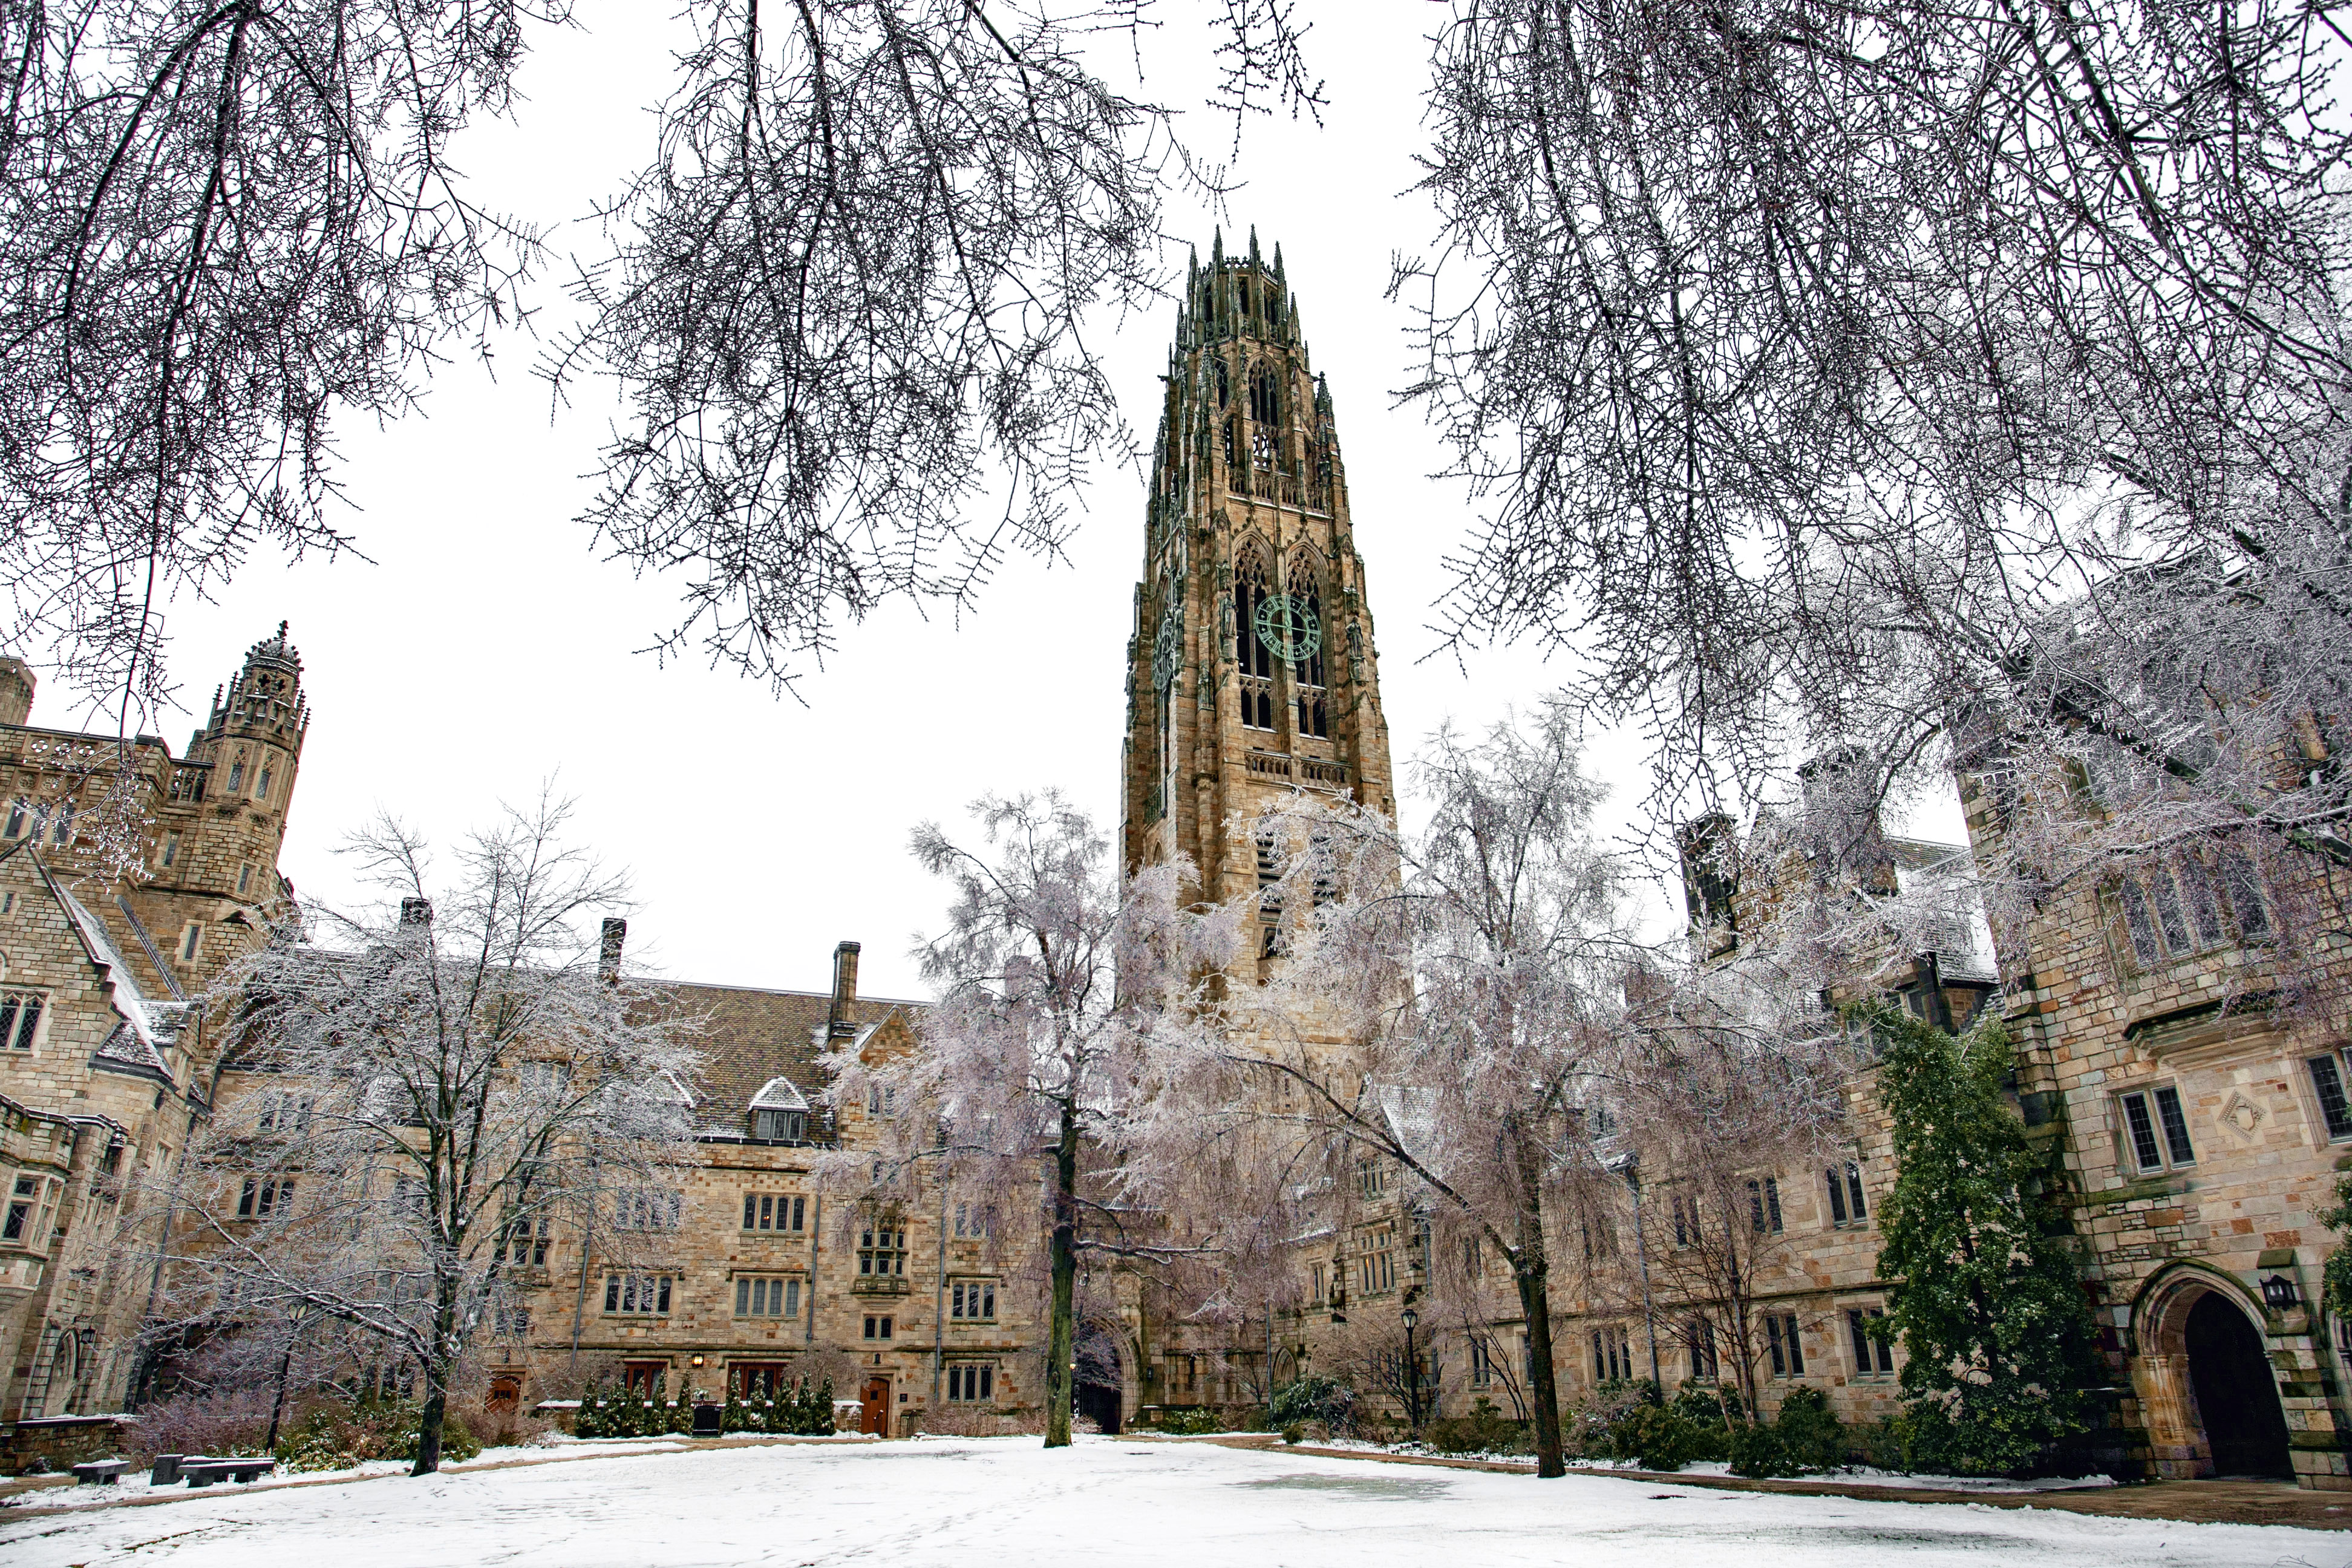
[(1251, 671)]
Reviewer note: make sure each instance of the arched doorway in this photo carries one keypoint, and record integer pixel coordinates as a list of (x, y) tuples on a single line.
[(2237, 1392), (1095, 1386), (2201, 1370)]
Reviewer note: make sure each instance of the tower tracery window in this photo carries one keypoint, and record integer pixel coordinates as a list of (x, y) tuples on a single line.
[(1305, 582), (1255, 659), (1266, 417)]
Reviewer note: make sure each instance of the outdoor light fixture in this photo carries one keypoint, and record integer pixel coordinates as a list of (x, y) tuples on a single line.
[(1412, 1319), (2279, 1292), (696, 1358)]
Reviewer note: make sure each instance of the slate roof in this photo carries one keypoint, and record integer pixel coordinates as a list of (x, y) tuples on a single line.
[(751, 1037)]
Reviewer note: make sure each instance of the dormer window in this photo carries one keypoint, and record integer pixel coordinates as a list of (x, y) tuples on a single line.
[(779, 1112)]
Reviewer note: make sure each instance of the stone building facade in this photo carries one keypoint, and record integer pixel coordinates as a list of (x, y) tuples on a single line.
[(922, 1312), (128, 879), (2201, 1116)]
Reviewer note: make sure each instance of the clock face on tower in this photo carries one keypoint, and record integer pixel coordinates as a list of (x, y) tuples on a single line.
[(1289, 630)]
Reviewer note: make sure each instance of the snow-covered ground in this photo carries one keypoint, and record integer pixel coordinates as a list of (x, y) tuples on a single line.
[(979, 1503)]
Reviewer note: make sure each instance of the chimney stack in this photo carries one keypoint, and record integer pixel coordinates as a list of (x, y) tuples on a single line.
[(844, 991), (417, 911), (608, 950)]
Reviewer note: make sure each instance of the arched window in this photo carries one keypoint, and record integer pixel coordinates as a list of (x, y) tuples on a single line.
[(1305, 582), (1266, 417), (1224, 389), (1251, 589)]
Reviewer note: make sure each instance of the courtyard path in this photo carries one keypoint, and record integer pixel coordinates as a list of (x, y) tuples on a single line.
[(983, 1504)]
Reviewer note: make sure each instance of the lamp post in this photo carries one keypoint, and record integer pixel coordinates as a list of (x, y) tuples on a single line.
[(1412, 1370)]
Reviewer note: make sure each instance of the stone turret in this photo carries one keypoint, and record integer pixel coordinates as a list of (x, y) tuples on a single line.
[(15, 690)]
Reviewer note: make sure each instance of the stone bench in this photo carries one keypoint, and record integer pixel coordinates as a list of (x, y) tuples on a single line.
[(100, 1472), (166, 1471), (205, 1472)]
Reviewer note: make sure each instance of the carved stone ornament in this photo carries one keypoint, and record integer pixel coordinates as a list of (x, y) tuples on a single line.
[(2242, 1115), (1167, 650)]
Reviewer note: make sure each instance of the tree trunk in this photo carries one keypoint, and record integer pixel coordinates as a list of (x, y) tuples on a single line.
[(1062, 1342), (439, 1369), (1530, 1271)]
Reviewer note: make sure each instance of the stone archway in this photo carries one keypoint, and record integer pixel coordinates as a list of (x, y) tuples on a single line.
[(1099, 1382), (2206, 1389)]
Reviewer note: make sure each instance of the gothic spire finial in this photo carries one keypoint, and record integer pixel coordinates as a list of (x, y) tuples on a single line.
[(1217, 247), (1253, 261)]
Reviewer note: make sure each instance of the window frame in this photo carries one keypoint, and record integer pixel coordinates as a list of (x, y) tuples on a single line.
[(971, 1381), (24, 1010), (971, 1299), (766, 1212), (1764, 1205), (624, 1286), (2152, 1120), (1849, 1195), (1865, 1348), (766, 1298)]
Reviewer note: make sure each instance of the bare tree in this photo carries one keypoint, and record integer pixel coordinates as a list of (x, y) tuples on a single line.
[(1964, 384), (1476, 970), (852, 270), (221, 225), (1502, 1020), (409, 1106), (1060, 989)]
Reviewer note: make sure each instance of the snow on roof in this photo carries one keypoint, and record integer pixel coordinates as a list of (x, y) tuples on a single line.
[(778, 1094), (1959, 935), (153, 1025)]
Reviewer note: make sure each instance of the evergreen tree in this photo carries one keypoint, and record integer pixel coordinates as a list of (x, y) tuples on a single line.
[(1986, 1302), (2337, 1280)]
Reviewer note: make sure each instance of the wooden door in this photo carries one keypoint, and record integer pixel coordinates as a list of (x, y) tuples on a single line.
[(876, 1416)]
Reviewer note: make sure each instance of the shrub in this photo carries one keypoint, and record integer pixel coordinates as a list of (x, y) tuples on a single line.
[(1189, 1423), (1705, 1408), (1588, 1427), (1315, 1399), (1758, 1451), (1883, 1443), (339, 1434), (1293, 1432), (1654, 1437), (1484, 1430), (514, 1429), (1810, 1430), (225, 1424)]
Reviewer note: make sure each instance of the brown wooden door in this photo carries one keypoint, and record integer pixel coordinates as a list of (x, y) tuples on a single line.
[(876, 1416)]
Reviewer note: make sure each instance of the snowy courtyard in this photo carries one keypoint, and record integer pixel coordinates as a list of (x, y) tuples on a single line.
[(979, 1504)]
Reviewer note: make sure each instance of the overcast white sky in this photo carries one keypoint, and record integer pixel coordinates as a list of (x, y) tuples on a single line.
[(484, 649)]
